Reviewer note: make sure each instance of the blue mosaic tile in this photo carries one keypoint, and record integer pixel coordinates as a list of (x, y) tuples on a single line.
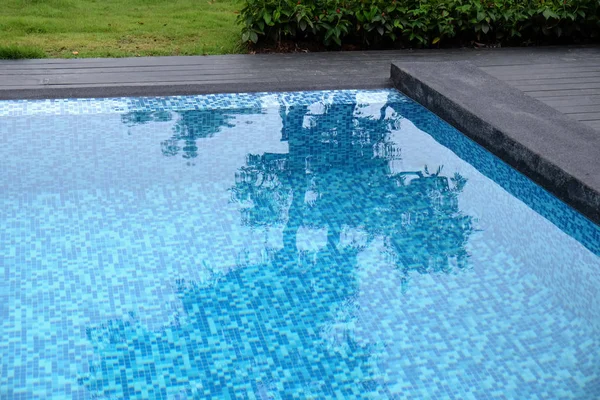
[(125, 105), (336, 244)]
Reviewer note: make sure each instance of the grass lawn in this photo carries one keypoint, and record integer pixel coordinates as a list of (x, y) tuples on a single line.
[(118, 28)]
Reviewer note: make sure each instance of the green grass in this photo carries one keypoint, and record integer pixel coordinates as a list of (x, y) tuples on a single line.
[(118, 28), (18, 52)]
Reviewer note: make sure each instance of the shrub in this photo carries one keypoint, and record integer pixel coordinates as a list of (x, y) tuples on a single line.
[(420, 23)]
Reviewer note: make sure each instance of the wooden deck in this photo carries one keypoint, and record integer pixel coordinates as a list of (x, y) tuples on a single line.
[(566, 78)]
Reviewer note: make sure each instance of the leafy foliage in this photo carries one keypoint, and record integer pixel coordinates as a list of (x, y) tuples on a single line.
[(420, 23)]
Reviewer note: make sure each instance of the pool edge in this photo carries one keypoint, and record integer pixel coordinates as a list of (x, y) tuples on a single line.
[(160, 90), (555, 151)]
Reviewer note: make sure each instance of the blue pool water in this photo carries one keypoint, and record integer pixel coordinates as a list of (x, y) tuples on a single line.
[(340, 244)]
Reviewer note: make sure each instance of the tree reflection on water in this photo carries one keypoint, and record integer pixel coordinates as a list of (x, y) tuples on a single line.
[(190, 127), (337, 175), (281, 328)]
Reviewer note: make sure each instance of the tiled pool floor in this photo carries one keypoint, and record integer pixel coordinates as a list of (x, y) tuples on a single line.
[(341, 244)]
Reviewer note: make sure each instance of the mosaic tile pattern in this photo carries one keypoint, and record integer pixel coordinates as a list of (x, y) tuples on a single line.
[(339, 244), (125, 105)]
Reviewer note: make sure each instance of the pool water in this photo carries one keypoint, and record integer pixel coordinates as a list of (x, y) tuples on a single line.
[(337, 244)]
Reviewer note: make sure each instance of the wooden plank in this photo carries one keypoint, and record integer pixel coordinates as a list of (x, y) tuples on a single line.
[(111, 79), (593, 124), (585, 116), (525, 73), (120, 69), (549, 75), (564, 67), (204, 62), (117, 78), (161, 69), (198, 67), (191, 88), (555, 81), (346, 80), (585, 108), (558, 101), (549, 85), (363, 67), (562, 92)]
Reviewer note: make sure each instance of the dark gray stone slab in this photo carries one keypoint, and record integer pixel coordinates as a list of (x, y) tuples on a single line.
[(554, 150)]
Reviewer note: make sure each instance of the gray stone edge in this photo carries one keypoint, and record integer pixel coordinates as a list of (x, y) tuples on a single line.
[(541, 169)]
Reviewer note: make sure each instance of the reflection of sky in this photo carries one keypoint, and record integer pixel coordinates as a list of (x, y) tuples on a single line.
[(101, 224), (541, 270), (78, 197), (512, 226), (134, 182)]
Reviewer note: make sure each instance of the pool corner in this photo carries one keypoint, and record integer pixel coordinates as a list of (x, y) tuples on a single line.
[(557, 152)]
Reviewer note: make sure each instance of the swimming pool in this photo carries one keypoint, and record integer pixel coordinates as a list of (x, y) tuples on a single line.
[(337, 244)]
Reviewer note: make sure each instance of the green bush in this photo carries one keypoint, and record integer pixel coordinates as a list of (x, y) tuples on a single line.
[(420, 23)]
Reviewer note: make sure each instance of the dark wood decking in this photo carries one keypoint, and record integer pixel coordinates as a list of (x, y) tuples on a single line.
[(567, 79)]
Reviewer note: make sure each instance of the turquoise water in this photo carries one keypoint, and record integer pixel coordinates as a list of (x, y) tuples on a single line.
[(340, 244)]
